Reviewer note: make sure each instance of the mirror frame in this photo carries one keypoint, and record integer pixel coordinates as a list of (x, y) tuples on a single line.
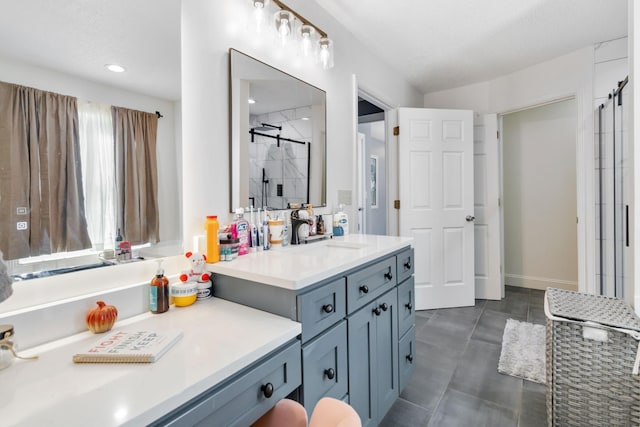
[(234, 137)]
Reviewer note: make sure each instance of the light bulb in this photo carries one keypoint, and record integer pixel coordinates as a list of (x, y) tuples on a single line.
[(306, 44), (324, 56), (258, 14), (283, 30)]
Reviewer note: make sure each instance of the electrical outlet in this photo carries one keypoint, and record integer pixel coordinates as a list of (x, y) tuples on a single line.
[(21, 211), (21, 225)]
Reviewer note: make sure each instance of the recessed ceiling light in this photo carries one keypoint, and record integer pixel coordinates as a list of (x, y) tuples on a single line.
[(115, 68), (252, 101)]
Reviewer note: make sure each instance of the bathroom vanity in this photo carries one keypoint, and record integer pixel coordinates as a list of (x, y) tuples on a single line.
[(354, 297)]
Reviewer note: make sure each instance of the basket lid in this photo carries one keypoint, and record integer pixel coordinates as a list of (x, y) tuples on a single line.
[(595, 308)]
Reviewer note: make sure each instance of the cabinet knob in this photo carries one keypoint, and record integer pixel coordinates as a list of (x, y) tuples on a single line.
[(327, 308), (267, 390), (384, 306), (364, 289), (409, 306), (388, 275), (377, 311), (410, 358), (330, 373), (407, 265)]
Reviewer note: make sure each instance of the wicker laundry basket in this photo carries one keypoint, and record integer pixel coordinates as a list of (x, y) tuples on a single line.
[(591, 349)]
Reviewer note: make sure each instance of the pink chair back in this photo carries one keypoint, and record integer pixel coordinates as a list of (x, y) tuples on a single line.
[(331, 412), (286, 413)]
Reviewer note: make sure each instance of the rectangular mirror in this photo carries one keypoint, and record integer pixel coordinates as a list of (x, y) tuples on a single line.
[(278, 137)]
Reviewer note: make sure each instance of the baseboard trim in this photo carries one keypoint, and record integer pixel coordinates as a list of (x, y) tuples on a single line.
[(541, 283)]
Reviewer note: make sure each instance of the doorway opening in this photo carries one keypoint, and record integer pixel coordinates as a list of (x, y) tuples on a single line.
[(372, 167), (539, 164)]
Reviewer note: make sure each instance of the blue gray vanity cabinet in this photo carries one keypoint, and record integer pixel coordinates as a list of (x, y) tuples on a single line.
[(373, 356), (245, 396), (347, 350)]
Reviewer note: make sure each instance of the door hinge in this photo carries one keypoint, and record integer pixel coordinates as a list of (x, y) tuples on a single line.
[(396, 131), (396, 204), (497, 134)]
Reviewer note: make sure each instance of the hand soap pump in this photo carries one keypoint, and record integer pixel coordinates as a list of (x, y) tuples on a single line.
[(159, 291)]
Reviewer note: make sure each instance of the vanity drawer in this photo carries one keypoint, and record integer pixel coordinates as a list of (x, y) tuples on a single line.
[(321, 308), (406, 305), (405, 264), (367, 284), (324, 366), (406, 357), (244, 399)]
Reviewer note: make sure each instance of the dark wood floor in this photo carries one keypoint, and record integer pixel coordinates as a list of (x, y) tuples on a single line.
[(456, 381)]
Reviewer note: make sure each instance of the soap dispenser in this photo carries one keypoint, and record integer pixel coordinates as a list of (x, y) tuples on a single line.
[(159, 291)]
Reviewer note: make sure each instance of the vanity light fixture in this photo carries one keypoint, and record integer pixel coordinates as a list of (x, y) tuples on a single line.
[(291, 27), (115, 68)]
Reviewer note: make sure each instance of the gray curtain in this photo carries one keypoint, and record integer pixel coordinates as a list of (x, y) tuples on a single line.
[(135, 135), (40, 174)]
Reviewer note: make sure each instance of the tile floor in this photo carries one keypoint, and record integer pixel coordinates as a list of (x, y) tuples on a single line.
[(456, 381)]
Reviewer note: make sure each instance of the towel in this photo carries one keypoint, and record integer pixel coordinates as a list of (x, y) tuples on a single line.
[(5, 281)]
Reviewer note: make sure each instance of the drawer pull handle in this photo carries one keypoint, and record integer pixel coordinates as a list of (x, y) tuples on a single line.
[(377, 311), (267, 390), (407, 265), (388, 276), (328, 308), (384, 306), (330, 373), (364, 289), (410, 358), (409, 306)]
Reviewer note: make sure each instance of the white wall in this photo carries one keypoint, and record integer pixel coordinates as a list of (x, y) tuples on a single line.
[(539, 160), (167, 143), (567, 76), (209, 29)]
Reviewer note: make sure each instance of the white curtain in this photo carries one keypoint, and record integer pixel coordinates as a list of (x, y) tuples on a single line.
[(98, 172)]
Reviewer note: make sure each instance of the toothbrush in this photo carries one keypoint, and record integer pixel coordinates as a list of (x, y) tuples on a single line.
[(265, 232), (254, 232), (259, 236)]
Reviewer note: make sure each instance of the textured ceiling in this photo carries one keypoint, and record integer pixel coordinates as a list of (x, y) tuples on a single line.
[(435, 44), (440, 44)]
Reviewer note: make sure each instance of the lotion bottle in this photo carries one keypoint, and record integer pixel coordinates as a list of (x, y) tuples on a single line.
[(242, 228)]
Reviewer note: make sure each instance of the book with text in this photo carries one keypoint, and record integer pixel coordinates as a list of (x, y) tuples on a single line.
[(129, 347)]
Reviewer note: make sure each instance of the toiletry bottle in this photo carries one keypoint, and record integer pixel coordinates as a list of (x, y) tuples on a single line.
[(265, 232), (253, 234), (313, 226), (211, 227), (285, 229), (159, 291), (116, 247), (260, 237), (242, 228), (341, 221), (320, 225)]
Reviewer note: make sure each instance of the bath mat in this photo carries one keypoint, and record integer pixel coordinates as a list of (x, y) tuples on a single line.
[(523, 351)]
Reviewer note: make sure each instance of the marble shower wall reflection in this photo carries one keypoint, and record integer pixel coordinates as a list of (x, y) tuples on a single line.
[(279, 175)]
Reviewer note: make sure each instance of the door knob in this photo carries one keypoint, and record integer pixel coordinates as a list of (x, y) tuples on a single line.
[(470, 218)]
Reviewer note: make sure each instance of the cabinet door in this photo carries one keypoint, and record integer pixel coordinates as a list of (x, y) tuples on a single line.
[(362, 363), (324, 366), (405, 265), (387, 352), (406, 354), (321, 308)]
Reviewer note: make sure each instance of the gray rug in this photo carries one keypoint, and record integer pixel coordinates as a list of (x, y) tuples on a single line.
[(523, 348)]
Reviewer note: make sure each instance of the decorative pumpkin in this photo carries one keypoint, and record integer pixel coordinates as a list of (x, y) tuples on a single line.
[(101, 318)]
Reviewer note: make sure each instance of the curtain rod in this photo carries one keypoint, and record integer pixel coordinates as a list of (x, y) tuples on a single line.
[(159, 115)]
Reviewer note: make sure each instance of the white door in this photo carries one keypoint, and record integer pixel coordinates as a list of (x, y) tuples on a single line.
[(435, 163), (486, 194)]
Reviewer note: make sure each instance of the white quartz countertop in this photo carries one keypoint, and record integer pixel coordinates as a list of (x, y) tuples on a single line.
[(220, 338), (294, 267)]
